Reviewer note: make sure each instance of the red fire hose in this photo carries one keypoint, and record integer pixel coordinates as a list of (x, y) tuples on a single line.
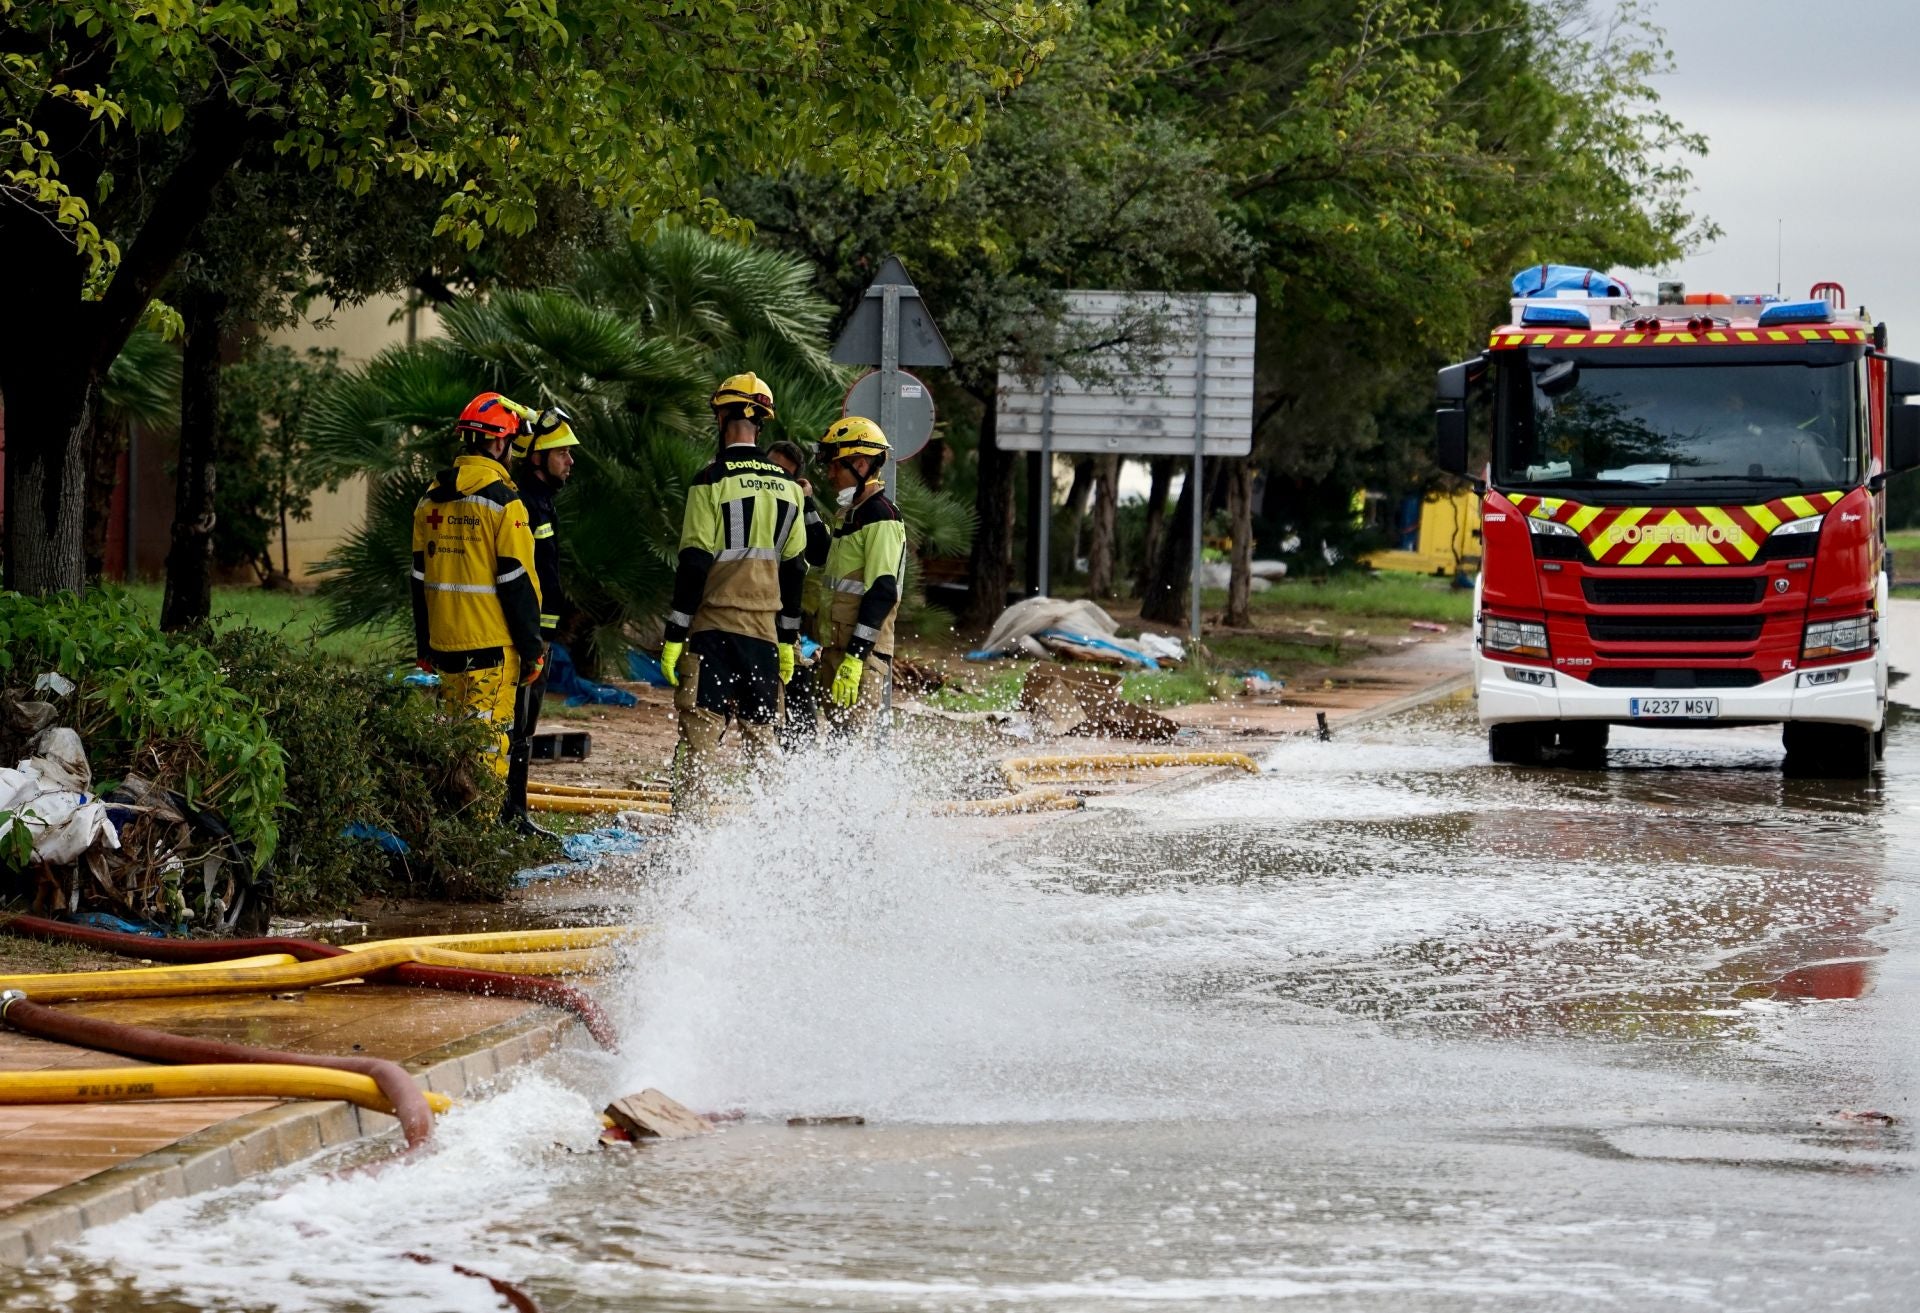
[(409, 1104), (501, 984)]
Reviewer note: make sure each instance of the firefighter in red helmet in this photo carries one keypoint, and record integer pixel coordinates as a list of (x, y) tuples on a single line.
[(476, 593)]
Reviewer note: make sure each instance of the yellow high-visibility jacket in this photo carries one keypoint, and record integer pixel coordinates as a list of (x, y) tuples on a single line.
[(742, 552), (864, 563), (474, 585)]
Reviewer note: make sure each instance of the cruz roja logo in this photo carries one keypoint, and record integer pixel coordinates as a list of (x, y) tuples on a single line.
[(1690, 534)]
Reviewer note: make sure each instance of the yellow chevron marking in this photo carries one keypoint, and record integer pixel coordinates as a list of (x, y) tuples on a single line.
[(1775, 335), (1745, 336), (1581, 518), (1734, 541), (1800, 506), (1664, 338), (1604, 338), (1634, 337), (1716, 337), (1574, 339), (1809, 335)]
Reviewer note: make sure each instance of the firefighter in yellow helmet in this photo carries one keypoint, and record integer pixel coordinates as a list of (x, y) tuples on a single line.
[(543, 463), (476, 598), (736, 593), (864, 563)]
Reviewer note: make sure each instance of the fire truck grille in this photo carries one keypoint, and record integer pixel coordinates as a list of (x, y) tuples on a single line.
[(1673, 629), (1677, 677), (1675, 592)]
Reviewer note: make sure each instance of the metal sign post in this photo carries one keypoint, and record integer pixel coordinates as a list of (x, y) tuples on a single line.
[(1199, 481), (891, 328), (1045, 503)]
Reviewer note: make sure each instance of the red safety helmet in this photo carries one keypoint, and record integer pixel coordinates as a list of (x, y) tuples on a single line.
[(488, 415)]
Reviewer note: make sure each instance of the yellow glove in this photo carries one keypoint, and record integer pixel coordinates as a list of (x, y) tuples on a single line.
[(846, 681), (670, 661), (786, 663)]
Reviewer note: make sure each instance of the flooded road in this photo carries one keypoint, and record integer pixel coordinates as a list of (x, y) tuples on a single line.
[(1387, 1027)]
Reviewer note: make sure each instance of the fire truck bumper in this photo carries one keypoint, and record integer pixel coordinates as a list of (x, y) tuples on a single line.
[(1852, 694)]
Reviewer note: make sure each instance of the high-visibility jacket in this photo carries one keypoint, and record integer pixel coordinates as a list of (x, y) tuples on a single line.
[(864, 563), (473, 574), (545, 523), (742, 551)]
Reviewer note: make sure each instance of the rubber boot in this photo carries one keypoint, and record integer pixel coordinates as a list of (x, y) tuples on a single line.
[(513, 808)]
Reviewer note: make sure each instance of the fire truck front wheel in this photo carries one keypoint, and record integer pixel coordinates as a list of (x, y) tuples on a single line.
[(1818, 751), (1518, 745)]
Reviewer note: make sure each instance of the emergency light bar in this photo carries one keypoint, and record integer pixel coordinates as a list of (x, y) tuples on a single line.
[(1796, 312), (1555, 316)]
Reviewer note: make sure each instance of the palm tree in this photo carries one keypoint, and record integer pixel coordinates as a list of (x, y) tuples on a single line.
[(632, 347)]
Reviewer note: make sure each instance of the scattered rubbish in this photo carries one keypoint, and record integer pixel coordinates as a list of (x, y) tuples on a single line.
[(652, 1115), (1079, 629), (55, 683), (644, 668), (387, 840), (837, 1119), (1087, 647), (1427, 626), (1087, 702), (420, 679), (567, 681), (913, 678), (582, 851), (48, 793), (572, 745), (516, 1298), (1256, 683), (1320, 728), (120, 924)]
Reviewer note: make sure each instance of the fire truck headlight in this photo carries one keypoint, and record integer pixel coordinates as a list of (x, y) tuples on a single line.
[(1550, 528), (1518, 637), (1811, 524), (1832, 638)]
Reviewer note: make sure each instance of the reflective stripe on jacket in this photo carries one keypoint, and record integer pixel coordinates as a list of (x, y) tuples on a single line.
[(742, 551), (863, 570), (473, 581)]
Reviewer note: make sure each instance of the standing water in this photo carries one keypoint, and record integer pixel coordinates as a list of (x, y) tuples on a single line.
[(1386, 1027)]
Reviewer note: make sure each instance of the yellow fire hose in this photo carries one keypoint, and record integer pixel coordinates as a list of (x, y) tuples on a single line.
[(1028, 800), (1022, 771), (228, 978), (553, 802), (209, 1081), (653, 792), (512, 941)]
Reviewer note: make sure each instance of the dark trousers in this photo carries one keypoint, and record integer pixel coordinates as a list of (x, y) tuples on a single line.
[(526, 717)]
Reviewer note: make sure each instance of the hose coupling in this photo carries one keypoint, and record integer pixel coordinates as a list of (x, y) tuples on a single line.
[(8, 998)]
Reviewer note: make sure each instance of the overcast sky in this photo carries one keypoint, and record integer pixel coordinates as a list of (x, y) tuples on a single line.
[(1812, 114)]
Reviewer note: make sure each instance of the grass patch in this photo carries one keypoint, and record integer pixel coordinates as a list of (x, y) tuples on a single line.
[(1386, 593), (295, 618), (1242, 652), (1904, 540), (1171, 688), (1000, 692)]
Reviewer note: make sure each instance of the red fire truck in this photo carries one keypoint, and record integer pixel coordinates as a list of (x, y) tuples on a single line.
[(1683, 514)]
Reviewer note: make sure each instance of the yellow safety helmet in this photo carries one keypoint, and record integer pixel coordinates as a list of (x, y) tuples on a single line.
[(747, 390), (854, 435), (550, 430)]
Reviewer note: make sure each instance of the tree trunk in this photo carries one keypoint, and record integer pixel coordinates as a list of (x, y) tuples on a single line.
[(1165, 596), (1161, 470), (105, 445), (1240, 507), (189, 595), (50, 404), (992, 563), (932, 461), (1100, 544)]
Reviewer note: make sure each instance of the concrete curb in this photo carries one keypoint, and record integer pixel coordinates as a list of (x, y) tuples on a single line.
[(231, 1151)]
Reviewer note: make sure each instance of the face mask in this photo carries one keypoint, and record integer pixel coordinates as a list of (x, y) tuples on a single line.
[(845, 496)]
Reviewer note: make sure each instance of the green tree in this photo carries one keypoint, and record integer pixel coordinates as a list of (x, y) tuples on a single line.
[(120, 119), (267, 474)]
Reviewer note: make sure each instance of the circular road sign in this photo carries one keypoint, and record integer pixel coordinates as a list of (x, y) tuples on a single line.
[(912, 413)]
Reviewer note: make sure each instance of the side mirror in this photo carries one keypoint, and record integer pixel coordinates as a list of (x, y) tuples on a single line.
[(1903, 438), (1903, 377), (1450, 384), (1450, 447)]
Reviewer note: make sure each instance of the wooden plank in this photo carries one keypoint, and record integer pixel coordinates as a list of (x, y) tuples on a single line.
[(651, 1115)]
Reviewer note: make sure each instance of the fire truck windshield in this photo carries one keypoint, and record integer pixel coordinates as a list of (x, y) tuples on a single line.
[(1712, 430)]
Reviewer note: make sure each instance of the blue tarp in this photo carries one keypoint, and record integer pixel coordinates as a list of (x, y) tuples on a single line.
[(1551, 279), (584, 849), (644, 668), (389, 841), (568, 682)]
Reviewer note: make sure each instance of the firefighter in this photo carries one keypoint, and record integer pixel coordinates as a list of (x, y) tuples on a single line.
[(864, 562), (545, 462), (476, 599), (736, 593)]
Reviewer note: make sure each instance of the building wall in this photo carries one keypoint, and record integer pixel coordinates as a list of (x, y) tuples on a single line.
[(359, 333)]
